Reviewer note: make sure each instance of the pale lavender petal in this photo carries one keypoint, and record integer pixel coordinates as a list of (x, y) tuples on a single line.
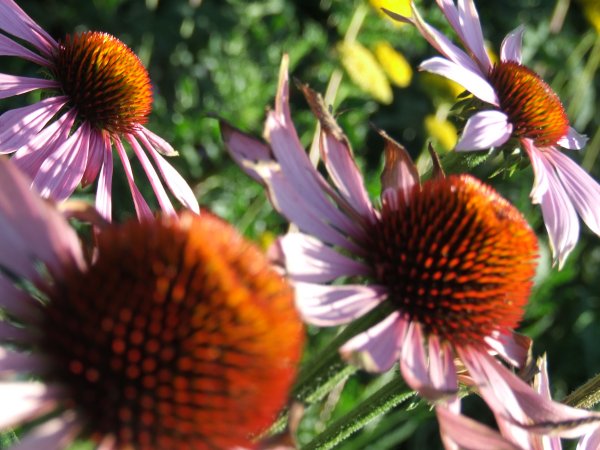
[(573, 140), (308, 259), (468, 434), (157, 187), (11, 85), (344, 172), (325, 305), (443, 45), (12, 333), (8, 47), (442, 370), (582, 189), (18, 126), (41, 231), (24, 401), (18, 362), (559, 214), (15, 21), (104, 189), (97, 149), (513, 347), (483, 130), (61, 171), (590, 441), (413, 364), (54, 434), (141, 207), (472, 34), (469, 79), (177, 185), (157, 142), (510, 50), (299, 209), (30, 157), (378, 348), (510, 397), (245, 150)]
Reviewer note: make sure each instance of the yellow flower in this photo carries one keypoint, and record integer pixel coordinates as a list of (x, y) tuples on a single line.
[(591, 10), (401, 7), (441, 131), (365, 71), (394, 64)]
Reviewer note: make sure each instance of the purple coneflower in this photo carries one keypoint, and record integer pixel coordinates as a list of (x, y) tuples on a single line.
[(451, 259), (521, 106), (178, 335), (98, 96)]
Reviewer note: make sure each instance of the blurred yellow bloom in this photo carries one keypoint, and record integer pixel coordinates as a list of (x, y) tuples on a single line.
[(364, 70), (441, 131), (591, 10), (401, 7), (394, 64)]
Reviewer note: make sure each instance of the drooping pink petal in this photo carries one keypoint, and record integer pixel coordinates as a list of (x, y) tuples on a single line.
[(309, 260), (30, 157), (8, 47), (245, 150), (18, 126), (97, 149), (176, 183), (141, 207), (472, 34), (510, 50), (443, 45), (54, 434), (590, 441), (559, 214), (15, 21), (484, 130), (413, 364), (62, 170), (573, 140), (582, 189), (299, 209), (326, 305), (157, 187), (470, 80), (513, 348), (19, 363), (11, 85), (514, 400), (104, 189), (442, 370), (295, 163), (162, 146), (11, 333), (344, 172), (42, 232), (468, 434), (23, 401), (378, 348)]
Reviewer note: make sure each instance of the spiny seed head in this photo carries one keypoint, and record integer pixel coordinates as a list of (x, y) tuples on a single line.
[(532, 107), (178, 336), (456, 257), (104, 80)]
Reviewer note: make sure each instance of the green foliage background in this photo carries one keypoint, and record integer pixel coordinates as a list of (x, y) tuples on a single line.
[(221, 58)]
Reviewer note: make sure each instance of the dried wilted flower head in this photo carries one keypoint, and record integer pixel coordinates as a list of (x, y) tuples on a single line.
[(177, 335)]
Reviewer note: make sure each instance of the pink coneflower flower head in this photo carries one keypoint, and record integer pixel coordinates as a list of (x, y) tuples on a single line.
[(449, 261), (178, 334), (97, 96), (517, 104)]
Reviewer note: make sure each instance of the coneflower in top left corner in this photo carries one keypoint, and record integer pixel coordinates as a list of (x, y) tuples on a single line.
[(97, 95)]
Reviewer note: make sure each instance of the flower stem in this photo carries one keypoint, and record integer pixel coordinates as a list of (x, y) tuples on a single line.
[(585, 396)]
